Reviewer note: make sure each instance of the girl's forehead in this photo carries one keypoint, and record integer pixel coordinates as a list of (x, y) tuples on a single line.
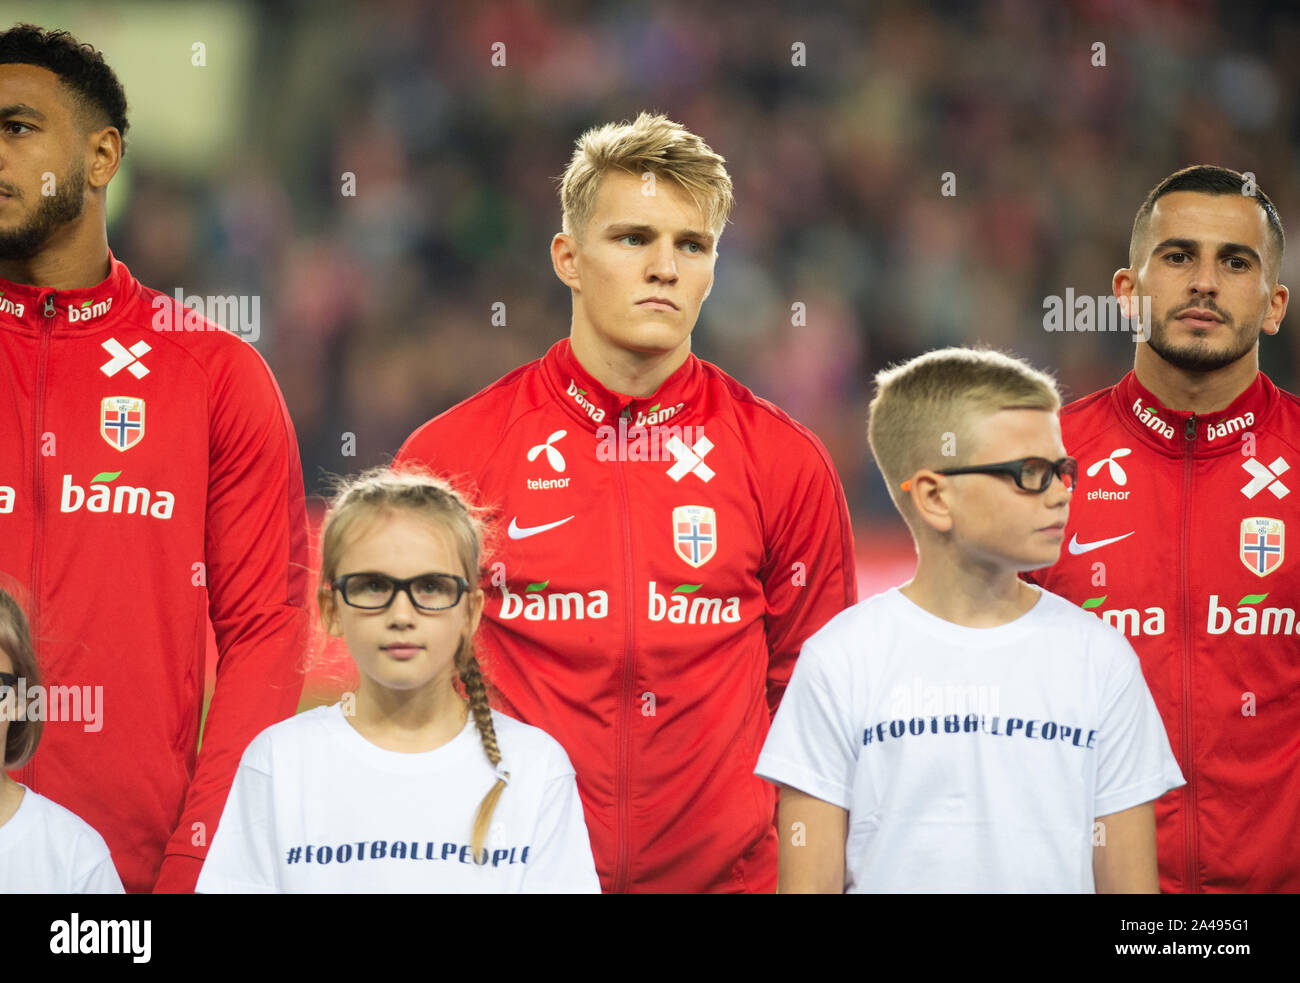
[(399, 535)]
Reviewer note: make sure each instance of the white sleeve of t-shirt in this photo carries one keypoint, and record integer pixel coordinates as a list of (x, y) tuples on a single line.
[(241, 859), (101, 877), (561, 861), (1134, 761), (90, 868), (811, 745)]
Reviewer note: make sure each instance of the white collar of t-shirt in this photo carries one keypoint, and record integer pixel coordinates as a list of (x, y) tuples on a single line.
[(460, 750), (1036, 619)]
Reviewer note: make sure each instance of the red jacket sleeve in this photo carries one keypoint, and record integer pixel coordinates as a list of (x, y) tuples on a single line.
[(255, 542), (810, 574)]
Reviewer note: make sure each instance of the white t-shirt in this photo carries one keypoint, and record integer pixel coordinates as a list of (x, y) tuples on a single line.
[(315, 807), (45, 849), (969, 759)]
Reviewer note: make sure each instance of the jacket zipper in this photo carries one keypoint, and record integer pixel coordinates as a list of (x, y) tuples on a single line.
[(623, 781), (28, 772), (1189, 815)]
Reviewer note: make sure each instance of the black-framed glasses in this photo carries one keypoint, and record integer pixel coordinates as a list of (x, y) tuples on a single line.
[(375, 591), (7, 681), (1032, 474)]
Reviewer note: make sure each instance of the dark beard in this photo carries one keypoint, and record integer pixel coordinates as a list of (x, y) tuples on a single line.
[(1197, 357), (65, 205)]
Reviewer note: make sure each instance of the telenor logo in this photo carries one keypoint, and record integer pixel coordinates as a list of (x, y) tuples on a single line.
[(1117, 474), (553, 457)]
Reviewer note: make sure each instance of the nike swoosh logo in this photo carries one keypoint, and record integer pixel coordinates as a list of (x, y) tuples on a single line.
[(519, 532), (1077, 547)]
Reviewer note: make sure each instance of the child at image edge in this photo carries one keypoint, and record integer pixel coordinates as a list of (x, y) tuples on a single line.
[(963, 733), (44, 848), (415, 789)]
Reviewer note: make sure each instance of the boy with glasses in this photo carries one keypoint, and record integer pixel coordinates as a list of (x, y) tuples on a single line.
[(963, 732)]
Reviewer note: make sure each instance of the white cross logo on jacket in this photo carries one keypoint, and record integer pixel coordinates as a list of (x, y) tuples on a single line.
[(689, 459)]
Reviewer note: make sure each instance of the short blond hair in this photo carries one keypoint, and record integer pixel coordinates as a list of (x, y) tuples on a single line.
[(652, 143), (936, 401)]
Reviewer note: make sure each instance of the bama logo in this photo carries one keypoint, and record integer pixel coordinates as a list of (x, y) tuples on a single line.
[(1149, 417), (1129, 621), (579, 396), (681, 609), (536, 604), (1236, 424), (1250, 620), (656, 414), (7, 306), (88, 311), (103, 496)]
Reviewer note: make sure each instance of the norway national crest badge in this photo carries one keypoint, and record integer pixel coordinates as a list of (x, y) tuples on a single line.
[(695, 533), (121, 421), (1263, 544)]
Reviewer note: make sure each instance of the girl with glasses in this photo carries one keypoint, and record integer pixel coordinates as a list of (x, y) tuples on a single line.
[(409, 784), (44, 848)]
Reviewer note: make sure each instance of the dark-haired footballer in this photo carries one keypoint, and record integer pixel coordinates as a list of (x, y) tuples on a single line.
[(1188, 492), (148, 479)]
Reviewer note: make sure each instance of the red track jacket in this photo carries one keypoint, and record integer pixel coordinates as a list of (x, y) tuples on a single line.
[(1182, 533), (139, 465), (663, 560)]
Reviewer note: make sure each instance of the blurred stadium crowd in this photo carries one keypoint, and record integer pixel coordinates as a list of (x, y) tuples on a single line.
[(377, 308)]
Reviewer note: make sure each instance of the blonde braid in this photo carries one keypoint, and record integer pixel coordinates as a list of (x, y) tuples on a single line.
[(472, 678)]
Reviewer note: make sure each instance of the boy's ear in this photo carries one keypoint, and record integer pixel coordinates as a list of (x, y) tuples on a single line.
[(929, 494)]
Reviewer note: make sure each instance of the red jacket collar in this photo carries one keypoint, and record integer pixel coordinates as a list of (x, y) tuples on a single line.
[(1169, 430), (33, 308), (595, 406)]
